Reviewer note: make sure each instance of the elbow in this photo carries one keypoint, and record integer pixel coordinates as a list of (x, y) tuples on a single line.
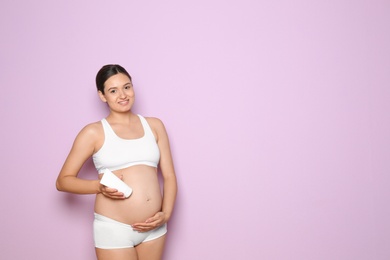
[(58, 186)]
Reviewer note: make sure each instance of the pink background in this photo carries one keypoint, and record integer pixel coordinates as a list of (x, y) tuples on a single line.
[(278, 114)]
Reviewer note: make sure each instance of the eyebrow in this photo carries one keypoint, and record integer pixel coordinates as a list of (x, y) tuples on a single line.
[(111, 88), (126, 84)]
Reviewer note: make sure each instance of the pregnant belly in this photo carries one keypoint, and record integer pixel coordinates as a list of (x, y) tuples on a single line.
[(144, 202)]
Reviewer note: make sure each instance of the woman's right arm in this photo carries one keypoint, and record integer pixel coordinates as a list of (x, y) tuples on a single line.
[(82, 149)]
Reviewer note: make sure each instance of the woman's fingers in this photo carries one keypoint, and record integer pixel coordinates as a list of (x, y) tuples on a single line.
[(112, 193)]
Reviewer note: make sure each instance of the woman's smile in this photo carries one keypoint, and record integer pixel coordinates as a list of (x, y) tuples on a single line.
[(124, 102)]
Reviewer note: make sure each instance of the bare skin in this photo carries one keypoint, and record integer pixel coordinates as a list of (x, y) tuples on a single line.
[(146, 208)]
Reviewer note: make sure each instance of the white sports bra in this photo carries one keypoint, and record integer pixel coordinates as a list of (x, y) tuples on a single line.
[(118, 153)]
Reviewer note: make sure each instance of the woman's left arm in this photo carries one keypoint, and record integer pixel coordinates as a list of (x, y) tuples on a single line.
[(169, 178), (167, 170)]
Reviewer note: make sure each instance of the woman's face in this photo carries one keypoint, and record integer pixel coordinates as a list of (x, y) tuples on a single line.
[(118, 93)]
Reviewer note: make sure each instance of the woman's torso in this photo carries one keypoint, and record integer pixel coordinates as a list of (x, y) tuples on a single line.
[(135, 160)]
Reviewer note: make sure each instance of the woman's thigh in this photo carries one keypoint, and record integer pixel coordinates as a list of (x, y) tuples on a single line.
[(151, 250), (116, 254)]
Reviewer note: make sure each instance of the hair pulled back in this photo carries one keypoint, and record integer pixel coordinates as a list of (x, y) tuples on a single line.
[(106, 72)]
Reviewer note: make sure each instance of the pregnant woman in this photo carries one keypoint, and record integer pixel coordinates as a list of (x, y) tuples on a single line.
[(132, 147)]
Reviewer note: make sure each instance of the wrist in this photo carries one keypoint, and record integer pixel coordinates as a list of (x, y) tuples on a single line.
[(167, 216), (98, 187)]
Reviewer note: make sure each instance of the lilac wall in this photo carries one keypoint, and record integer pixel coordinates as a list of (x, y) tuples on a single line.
[(278, 113)]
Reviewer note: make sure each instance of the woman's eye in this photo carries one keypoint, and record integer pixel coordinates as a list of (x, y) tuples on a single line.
[(112, 91)]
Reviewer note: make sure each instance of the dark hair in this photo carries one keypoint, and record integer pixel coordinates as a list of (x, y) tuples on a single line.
[(107, 71)]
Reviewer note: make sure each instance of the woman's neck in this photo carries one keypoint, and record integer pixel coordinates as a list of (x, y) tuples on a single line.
[(124, 118)]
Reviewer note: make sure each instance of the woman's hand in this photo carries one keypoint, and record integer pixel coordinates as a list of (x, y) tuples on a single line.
[(151, 223), (111, 193)]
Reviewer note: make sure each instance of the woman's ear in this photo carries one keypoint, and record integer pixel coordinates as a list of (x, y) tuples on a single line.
[(102, 97)]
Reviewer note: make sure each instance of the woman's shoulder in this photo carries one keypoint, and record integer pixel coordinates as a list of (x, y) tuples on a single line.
[(154, 122), (94, 129), (157, 127)]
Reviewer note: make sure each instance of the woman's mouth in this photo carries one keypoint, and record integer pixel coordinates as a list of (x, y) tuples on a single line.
[(124, 102)]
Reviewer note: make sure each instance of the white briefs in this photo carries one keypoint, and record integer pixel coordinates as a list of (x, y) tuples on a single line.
[(112, 234)]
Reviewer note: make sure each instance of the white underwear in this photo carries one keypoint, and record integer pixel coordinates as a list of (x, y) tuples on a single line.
[(111, 234)]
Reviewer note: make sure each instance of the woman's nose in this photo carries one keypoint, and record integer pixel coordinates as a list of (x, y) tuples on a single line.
[(122, 94)]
